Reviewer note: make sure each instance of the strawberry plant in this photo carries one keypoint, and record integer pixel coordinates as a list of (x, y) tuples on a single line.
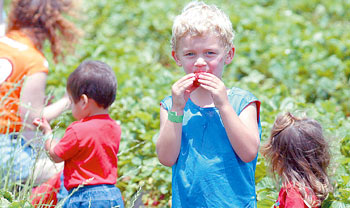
[(293, 55)]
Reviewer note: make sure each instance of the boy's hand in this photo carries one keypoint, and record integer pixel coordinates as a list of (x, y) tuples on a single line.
[(216, 87), (43, 125), (181, 91)]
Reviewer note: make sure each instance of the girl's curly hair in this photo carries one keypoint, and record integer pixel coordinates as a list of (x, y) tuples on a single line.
[(45, 20), (299, 154)]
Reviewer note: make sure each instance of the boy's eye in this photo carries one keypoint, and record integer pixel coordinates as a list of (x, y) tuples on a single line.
[(189, 54), (210, 53)]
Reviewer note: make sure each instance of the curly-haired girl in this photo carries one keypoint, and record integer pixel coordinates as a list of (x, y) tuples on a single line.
[(299, 154), (24, 70), (42, 20)]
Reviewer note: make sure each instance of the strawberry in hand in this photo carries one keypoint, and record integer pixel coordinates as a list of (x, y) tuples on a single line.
[(195, 82)]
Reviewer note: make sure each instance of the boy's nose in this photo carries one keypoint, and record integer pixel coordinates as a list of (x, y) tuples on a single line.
[(200, 62)]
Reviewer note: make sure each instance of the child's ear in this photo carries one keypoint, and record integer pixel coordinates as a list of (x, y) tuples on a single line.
[(173, 54), (230, 55), (84, 99)]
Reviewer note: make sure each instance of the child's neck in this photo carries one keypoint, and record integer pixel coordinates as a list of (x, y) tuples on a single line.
[(97, 111), (202, 98)]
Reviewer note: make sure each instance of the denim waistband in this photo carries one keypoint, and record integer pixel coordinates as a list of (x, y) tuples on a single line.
[(91, 187)]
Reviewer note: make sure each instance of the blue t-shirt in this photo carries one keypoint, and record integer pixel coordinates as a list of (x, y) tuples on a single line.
[(208, 172)]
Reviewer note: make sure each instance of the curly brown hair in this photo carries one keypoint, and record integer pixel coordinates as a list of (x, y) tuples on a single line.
[(44, 19), (299, 154)]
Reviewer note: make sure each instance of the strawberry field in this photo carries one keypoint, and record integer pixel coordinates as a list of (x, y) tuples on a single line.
[(294, 55)]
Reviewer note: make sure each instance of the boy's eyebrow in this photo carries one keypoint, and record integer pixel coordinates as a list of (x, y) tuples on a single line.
[(208, 48), (185, 50)]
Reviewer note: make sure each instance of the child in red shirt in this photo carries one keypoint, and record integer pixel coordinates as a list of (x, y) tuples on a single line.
[(299, 154), (90, 145)]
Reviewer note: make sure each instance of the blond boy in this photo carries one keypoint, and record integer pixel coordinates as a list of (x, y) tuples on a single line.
[(209, 134)]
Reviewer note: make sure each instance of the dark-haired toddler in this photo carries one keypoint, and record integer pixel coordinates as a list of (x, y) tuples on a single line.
[(90, 145)]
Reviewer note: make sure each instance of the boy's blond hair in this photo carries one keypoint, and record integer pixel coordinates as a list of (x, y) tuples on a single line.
[(198, 18)]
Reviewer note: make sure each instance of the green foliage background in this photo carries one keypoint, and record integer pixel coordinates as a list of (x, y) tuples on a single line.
[(294, 55)]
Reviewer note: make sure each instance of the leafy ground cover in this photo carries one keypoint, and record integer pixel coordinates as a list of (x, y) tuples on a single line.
[(293, 55)]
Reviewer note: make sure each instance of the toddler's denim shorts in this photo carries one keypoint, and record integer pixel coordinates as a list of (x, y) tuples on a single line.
[(96, 196), (16, 157)]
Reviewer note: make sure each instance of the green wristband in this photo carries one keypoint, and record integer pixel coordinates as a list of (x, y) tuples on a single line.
[(173, 117)]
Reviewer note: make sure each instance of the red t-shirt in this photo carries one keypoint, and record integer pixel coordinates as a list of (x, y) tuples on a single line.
[(290, 197), (89, 149)]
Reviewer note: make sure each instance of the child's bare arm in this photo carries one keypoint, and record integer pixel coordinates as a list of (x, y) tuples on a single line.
[(55, 109), (50, 143), (169, 140), (242, 130), (49, 146)]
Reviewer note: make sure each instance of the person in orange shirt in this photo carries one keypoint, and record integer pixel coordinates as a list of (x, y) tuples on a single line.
[(23, 77)]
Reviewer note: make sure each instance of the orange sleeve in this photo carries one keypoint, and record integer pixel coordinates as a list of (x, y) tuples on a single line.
[(37, 64)]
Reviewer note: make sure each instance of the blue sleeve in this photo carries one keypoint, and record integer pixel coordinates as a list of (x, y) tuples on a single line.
[(240, 99), (167, 103)]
